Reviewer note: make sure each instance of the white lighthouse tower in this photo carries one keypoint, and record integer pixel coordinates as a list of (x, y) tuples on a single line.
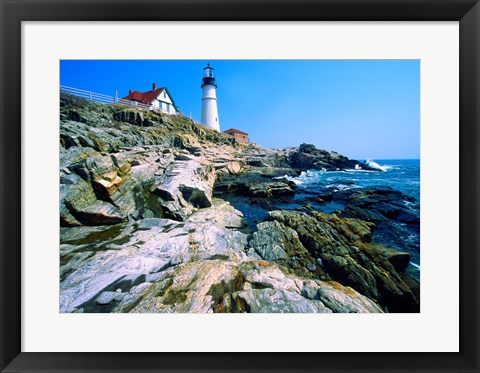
[(209, 100)]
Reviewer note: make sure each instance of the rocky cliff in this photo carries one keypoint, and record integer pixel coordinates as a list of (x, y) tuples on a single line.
[(146, 226)]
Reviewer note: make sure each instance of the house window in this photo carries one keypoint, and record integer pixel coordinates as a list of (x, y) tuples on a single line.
[(164, 94), (168, 107)]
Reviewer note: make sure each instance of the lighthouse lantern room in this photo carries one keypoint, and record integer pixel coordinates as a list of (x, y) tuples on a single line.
[(209, 100)]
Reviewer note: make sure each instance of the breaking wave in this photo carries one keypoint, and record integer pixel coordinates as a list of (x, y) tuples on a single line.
[(375, 165)]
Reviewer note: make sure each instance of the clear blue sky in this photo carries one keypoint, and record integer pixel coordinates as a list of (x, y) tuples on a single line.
[(360, 108)]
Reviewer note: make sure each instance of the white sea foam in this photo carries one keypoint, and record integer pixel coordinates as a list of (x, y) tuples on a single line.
[(415, 265), (295, 180), (410, 204), (341, 186), (377, 166), (359, 170), (304, 177)]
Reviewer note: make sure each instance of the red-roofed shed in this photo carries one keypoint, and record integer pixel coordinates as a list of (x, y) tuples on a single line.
[(240, 136)]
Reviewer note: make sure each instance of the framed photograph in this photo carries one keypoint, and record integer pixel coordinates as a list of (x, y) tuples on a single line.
[(239, 186)]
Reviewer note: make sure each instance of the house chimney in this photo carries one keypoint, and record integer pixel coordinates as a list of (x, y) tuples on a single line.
[(129, 91), (154, 85)]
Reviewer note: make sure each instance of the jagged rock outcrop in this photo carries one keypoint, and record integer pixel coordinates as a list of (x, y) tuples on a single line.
[(255, 186), (144, 227), (185, 186), (222, 286), (280, 244), (348, 256), (396, 215), (308, 157), (377, 204), (161, 265), (135, 253)]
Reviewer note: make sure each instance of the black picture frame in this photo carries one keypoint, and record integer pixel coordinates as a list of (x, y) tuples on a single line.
[(13, 12)]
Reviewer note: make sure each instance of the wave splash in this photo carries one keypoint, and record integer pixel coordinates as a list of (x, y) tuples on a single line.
[(375, 165)]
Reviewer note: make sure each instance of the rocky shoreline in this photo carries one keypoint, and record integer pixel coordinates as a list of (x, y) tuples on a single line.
[(149, 222)]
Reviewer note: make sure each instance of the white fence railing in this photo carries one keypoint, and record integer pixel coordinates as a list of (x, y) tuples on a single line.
[(105, 99)]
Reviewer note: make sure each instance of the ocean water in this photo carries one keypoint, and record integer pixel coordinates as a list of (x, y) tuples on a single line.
[(402, 175), (399, 174)]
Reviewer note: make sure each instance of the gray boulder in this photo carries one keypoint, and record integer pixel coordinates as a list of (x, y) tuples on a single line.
[(82, 203), (185, 187), (278, 301), (108, 297), (275, 242)]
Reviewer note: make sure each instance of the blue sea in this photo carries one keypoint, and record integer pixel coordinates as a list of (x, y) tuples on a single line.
[(400, 174)]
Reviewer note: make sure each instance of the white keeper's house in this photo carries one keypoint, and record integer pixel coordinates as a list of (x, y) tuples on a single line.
[(157, 98)]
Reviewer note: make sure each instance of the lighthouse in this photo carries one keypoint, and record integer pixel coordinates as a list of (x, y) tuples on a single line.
[(209, 100)]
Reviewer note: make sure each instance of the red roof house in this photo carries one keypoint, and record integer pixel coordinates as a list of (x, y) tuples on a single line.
[(157, 98)]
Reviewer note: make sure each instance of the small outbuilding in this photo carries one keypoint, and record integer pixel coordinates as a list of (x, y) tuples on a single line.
[(156, 99), (240, 136)]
